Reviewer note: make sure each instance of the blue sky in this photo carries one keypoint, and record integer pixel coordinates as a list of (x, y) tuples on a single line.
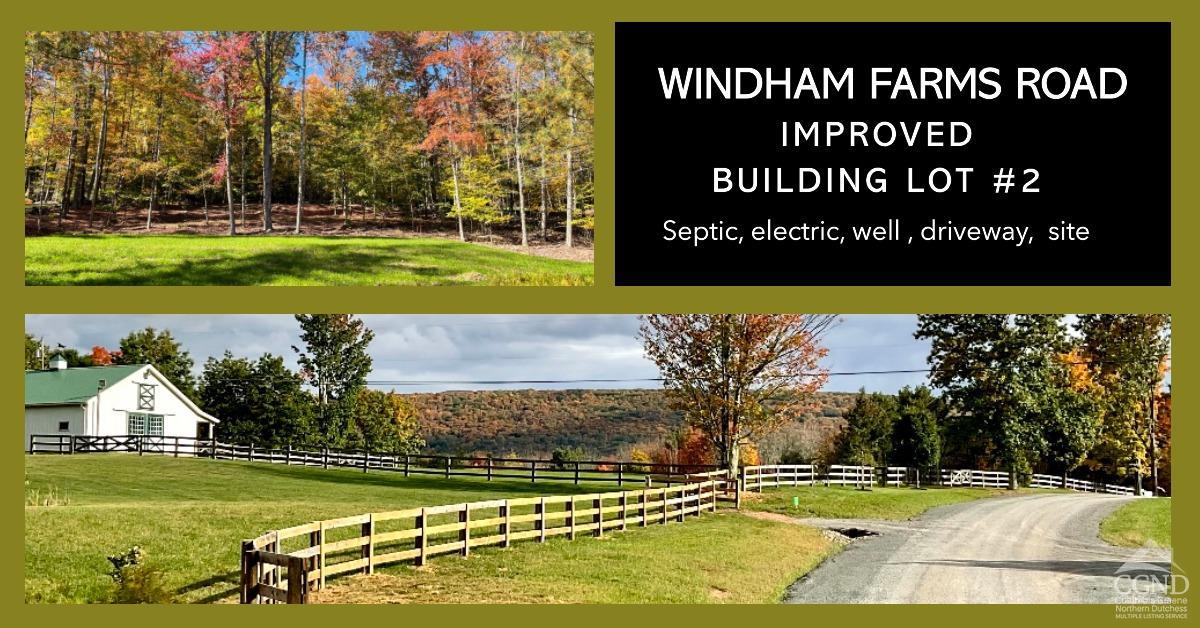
[(492, 347)]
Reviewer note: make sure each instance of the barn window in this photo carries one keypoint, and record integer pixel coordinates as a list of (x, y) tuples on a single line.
[(64, 426), (142, 424), (145, 397), (137, 423)]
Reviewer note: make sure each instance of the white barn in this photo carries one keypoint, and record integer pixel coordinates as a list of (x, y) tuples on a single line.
[(118, 400)]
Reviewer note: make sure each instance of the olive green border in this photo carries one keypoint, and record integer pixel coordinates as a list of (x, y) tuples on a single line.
[(598, 16)]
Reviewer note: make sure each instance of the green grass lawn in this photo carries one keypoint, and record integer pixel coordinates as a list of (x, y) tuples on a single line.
[(285, 260), (837, 502), (190, 515), (721, 557), (1139, 522)]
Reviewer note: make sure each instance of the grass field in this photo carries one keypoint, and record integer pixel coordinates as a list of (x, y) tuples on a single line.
[(722, 557), (190, 515), (850, 503), (286, 260), (1139, 522)]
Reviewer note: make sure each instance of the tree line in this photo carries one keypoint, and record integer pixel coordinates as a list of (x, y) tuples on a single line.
[(1022, 393), (1027, 393), (479, 128)]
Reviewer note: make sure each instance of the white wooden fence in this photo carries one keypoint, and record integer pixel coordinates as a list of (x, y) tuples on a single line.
[(1041, 480), (975, 478), (758, 477)]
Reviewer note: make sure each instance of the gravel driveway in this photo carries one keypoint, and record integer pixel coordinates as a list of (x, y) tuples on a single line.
[(1020, 549)]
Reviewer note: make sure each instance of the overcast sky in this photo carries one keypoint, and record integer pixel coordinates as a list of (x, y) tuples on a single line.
[(491, 347)]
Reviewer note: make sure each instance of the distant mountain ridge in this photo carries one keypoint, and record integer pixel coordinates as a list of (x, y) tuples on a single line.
[(604, 423)]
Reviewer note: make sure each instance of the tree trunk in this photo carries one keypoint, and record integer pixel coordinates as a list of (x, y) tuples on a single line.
[(542, 196), (157, 155), (229, 180), (303, 110), (570, 178), (69, 171), (242, 185), (462, 236), (101, 146), (266, 74), (517, 144)]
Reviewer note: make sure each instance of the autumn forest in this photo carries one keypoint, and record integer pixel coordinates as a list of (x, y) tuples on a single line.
[(474, 135)]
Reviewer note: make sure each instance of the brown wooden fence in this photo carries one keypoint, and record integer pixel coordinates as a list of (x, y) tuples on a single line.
[(283, 566), (531, 469)]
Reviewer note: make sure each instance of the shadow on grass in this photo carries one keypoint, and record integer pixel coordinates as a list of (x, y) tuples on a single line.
[(333, 261), (430, 481)]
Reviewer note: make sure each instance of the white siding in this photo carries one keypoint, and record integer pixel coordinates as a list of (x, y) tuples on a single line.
[(45, 419), (107, 413), (121, 398)]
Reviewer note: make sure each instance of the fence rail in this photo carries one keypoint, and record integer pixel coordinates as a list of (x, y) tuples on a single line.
[(755, 478), (284, 566), (532, 469)]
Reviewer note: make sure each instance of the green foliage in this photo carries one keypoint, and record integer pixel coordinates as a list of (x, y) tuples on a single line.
[(916, 441), (1127, 353), (335, 362), (993, 369), (384, 422), (867, 439), (564, 456), (137, 581), (150, 346), (37, 354), (257, 401), (479, 190)]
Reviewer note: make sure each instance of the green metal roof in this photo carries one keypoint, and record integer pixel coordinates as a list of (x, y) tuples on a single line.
[(73, 385)]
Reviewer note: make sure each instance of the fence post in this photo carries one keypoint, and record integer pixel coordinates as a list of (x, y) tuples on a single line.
[(642, 509), (447, 467), (368, 548), (366, 459), (540, 522), (250, 452), (532, 471), (464, 535), (248, 566), (421, 542), (314, 541), (506, 513), (577, 472), (683, 502), (325, 457), (406, 461), (598, 518), (620, 475), (287, 456), (624, 511), (489, 468), (571, 517), (139, 444), (297, 580)]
